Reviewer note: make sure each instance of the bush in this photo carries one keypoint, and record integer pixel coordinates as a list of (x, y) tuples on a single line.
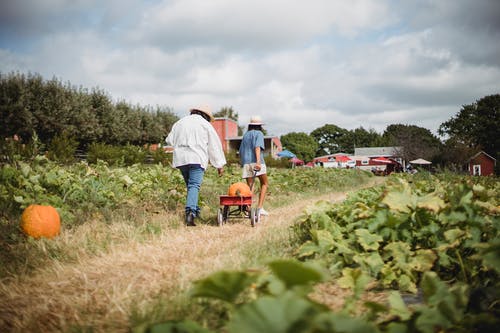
[(160, 156), (14, 149), (282, 163), (133, 154), (116, 155), (62, 148)]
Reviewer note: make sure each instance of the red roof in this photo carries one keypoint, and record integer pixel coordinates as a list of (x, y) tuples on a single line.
[(342, 158), (382, 159)]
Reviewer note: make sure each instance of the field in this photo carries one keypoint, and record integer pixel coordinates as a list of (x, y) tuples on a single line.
[(342, 251), (124, 259)]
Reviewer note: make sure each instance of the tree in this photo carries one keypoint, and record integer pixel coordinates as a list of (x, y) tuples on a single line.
[(416, 142), (359, 137), (328, 138), (32, 107), (301, 144), (476, 126), (228, 112)]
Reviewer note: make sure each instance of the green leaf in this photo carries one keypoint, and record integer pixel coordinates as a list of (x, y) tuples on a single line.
[(324, 240), (394, 327), (423, 260), (430, 321), (371, 262), (308, 249), (398, 306), (342, 323), (432, 202), (223, 285), (368, 240), (175, 327), (490, 254), (403, 201), (294, 273), (406, 283), (453, 235), (354, 279), (399, 251), (286, 313)]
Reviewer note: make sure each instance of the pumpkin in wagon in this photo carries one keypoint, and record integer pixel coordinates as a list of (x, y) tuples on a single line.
[(41, 221), (239, 189)]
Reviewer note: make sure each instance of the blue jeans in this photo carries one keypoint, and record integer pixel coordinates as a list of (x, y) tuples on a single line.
[(193, 177)]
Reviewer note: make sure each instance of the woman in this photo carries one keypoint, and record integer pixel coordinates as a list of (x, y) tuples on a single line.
[(252, 159)]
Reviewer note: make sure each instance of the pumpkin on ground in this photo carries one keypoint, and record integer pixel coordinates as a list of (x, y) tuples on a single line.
[(41, 221), (240, 189)]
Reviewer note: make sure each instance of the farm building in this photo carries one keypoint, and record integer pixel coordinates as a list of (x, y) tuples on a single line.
[(338, 160), (392, 153), (227, 129), (481, 164)]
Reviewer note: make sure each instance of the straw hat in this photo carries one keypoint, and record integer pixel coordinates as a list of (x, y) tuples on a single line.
[(205, 109), (256, 120)]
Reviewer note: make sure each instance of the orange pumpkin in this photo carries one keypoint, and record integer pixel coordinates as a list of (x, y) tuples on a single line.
[(239, 189), (41, 221)]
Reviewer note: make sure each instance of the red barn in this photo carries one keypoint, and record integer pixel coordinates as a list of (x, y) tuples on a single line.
[(481, 164)]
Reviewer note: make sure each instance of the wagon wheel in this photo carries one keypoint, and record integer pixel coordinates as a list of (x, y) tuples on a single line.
[(253, 217), (220, 217)]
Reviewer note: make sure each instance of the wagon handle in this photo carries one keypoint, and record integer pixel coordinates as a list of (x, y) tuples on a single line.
[(253, 180)]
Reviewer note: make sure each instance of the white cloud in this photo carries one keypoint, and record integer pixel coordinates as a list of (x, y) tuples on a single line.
[(255, 25), (298, 64)]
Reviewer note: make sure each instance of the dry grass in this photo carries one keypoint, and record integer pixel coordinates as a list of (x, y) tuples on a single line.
[(99, 290)]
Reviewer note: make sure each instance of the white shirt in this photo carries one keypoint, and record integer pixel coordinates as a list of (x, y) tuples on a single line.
[(195, 141)]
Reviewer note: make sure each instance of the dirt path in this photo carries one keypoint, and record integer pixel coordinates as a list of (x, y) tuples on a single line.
[(99, 291)]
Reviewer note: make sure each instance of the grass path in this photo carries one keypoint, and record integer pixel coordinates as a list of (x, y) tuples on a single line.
[(99, 292)]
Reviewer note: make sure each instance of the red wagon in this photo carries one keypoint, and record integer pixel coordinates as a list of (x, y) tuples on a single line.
[(237, 206)]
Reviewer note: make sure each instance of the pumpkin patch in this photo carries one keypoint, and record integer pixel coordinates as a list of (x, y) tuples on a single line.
[(41, 221), (239, 189)]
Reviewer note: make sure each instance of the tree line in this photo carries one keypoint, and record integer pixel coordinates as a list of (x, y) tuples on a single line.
[(50, 108), (475, 127), (31, 105)]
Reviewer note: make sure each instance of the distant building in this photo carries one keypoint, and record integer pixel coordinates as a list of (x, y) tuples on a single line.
[(227, 129), (393, 153), (481, 164), (378, 151)]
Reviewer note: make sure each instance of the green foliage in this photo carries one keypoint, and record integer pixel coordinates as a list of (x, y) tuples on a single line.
[(175, 327), (116, 155), (412, 235), (282, 163), (30, 104), (277, 300), (226, 286), (15, 149), (475, 125), (405, 230), (416, 142), (62, 148), (328, 138), (160, 156), (301, 144)]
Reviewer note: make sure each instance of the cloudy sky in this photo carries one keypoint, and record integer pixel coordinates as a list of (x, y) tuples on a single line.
[(298, 64)]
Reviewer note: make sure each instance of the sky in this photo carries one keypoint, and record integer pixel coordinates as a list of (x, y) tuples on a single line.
[(297, 64)]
